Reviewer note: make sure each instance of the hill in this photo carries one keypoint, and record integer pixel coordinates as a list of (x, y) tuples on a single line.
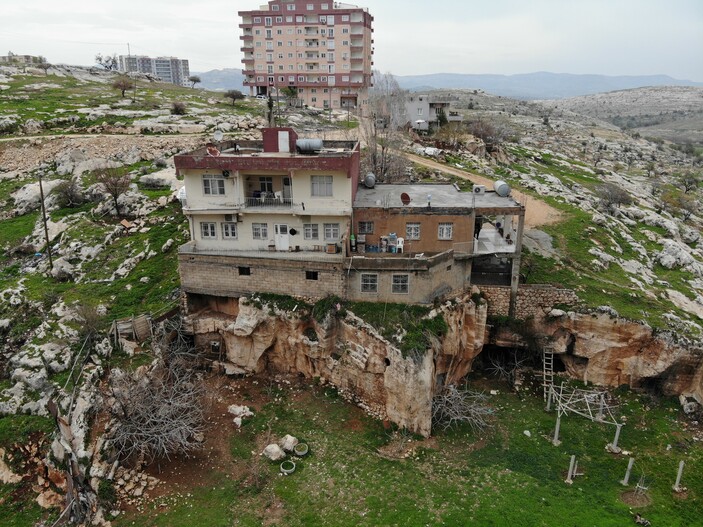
[(674, 113), (541, 85)]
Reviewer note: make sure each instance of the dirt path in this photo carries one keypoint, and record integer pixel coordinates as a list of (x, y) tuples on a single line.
[(537, 212)]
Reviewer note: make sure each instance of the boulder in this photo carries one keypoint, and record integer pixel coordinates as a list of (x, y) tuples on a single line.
[(288, 442), (274, 452)]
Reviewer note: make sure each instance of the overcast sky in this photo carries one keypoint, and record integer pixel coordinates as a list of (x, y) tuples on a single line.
[(612, 37)]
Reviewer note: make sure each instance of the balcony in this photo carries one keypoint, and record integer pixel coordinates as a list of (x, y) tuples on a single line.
[(268, 200)]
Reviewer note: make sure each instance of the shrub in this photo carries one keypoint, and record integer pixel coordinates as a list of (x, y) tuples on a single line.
[(178, 108)]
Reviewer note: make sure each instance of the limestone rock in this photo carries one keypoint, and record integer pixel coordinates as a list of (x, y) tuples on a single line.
[(288, 442), (274, 452)]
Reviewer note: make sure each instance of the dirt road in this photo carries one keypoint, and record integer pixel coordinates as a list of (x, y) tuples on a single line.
[(536, 212)]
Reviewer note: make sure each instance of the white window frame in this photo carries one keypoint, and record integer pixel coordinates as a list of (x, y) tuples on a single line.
[(213, 185), (229, 230), (445, 231), (331, 231), (412, 231), (321, 186), (259, 231), (368, 283), (400, 284), (311, 231), (208, 230)]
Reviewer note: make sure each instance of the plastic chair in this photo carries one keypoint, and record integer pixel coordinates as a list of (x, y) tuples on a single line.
[(399, 245)]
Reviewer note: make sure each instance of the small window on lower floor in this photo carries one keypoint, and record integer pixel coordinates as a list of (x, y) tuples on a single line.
[(244, 271), (400, 284), (369, 283), (208, 230), (311, 275)]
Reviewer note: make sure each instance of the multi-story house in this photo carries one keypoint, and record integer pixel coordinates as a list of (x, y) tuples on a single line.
[(289, 216), (320, 49), (423, 110), (168, 69)]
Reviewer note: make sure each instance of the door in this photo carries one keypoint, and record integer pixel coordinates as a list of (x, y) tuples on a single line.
[(286, 189), (281, 237)]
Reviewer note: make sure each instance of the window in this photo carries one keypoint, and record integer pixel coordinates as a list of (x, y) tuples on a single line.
[(229, 231), (400, 284), (419, 111), (325, 6), (412, 231), (345, 30), (310, 7), (311, 231), (331, 231), (260, 231), (245, 271), (311, 275), (321, 185), (291, 7), (208, 230), (268, 21), (365, 227), (345, 18), (266, 184), (257, 20), (213, 185), (279, 20), (275, 7), (369, 283), (446, 230)]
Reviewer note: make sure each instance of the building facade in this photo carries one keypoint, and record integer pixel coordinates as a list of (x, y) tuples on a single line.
[(322, 51), (24, 60), (288, 216), (168, 69), (423, 110)]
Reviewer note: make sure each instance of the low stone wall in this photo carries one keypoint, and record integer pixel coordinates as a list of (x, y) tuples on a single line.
[(532, 300)]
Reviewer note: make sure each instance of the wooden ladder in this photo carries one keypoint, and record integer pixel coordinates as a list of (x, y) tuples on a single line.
[(547, 370)]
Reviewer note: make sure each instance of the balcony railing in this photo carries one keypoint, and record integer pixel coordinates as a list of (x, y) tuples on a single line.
[(268, 201)]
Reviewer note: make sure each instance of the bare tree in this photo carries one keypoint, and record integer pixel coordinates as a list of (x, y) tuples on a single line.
[(235, 95), (381, 131), (114, 182), (612, 197), (163, 413), (451, 136), (194, 79), (69, 194), (452, 407), (122, 83), (491, 134), (108, 62), (690, 181)]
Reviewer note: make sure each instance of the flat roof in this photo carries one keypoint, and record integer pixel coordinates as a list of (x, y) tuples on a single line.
[(445, 196)]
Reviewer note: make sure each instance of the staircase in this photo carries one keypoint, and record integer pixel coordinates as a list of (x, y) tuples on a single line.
[(547, 370)]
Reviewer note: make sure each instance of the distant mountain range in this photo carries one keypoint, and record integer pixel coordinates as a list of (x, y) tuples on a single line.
[(541, 85), (221, 80)]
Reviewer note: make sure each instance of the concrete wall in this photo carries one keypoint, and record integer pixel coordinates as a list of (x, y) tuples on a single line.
[(532, 301), (245, 238)]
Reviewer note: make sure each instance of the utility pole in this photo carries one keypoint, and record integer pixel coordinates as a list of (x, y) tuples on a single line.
[(46, 230)]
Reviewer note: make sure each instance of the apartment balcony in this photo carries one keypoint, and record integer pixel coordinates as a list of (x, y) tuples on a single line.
[(268, 200), (247, 49), (248, 73), (246, 36)]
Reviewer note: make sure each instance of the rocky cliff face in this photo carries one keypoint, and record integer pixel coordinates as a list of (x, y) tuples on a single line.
[(350, 354)]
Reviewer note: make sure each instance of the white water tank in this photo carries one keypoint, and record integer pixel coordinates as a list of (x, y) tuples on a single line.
[(502, 188), (370, 180)]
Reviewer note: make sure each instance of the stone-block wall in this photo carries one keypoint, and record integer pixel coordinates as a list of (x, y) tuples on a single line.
[(532, 300), (221, 276)]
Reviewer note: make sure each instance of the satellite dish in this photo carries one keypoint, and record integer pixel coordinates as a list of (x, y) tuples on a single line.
[(218, 135), (405, 199)]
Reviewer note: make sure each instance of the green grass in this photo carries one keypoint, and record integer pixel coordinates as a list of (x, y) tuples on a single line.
[(496, 478), (14, 230), (18, 428)]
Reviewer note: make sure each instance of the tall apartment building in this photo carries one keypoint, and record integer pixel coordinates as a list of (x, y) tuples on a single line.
[(323, 49), (168, 69)]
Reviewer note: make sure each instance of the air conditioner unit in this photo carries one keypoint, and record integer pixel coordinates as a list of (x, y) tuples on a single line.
[(229, 217), (479, 189)]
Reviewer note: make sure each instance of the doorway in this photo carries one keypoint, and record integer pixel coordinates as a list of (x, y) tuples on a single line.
[(281, 237)]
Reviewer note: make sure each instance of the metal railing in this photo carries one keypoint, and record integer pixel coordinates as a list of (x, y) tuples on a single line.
[(269, 202)]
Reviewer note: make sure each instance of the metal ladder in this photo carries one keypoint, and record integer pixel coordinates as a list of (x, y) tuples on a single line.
[(547, 370)]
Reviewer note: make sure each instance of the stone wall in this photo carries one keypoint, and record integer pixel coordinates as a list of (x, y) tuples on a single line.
[(532, 300), (222, 276)]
